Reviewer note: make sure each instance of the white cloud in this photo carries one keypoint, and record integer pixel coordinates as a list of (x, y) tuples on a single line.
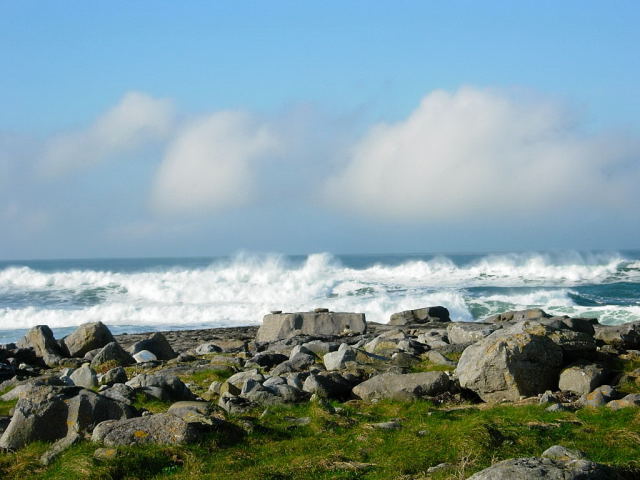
[(210, 165), (481, 152), (137, 119)]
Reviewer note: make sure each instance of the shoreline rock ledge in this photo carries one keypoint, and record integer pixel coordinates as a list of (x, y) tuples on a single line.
[(280, 326)]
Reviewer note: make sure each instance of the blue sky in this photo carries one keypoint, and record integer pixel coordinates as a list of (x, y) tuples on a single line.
[(200, 128)]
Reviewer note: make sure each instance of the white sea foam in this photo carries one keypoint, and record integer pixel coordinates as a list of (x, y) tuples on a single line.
[(240, 290)]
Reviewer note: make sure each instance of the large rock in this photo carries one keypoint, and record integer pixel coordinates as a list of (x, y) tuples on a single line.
[(510, 363), (41, 340), (338, 360), (278, 326), (49, 414), (160, 429), (85, 377), (86, 337), (114, 355), (536, 468), (163, 386), (625, 336), (518, 316), (410, 386), (420, 315), (156, 344), (582, 378), (469, 332)]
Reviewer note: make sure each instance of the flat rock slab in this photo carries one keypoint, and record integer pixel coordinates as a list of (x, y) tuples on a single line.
[(159, 429), (280, 326), (410, 386)]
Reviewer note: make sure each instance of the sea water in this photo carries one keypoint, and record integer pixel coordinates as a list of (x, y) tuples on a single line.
[(134, 295)]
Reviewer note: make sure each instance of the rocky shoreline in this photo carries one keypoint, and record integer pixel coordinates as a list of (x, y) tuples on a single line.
[(92, 386)]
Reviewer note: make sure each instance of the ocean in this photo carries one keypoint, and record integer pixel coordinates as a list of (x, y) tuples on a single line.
[(146, 294)]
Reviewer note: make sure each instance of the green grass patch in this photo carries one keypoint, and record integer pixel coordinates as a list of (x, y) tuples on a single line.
[(344, 445), (427, 366), (6, 406), (203, 378), (151, 404)]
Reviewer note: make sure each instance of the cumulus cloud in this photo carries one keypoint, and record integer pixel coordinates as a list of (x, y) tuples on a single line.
[(210, 164), (481, 152), (137, 119)]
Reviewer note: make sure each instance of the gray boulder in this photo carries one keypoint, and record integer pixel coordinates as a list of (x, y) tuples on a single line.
[(469, 332), (328, 385), (156, 344), (515, 316), (625, 336), (582, 378), (86, 337), (207, 348), (120, 393), (557, 463), (115, 375), (299, 362), (144, 356), (112, 353), (339, 359), (165, 387), (286, 325), (410, 386), (510, 363), (49, 414), (267, 359), (158, 429), (420, 315), (41, 340), (84, 376)]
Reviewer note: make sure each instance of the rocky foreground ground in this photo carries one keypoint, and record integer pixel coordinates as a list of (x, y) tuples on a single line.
[(93, 387)]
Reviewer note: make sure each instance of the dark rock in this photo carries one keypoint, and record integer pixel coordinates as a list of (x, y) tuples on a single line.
[(156, 344), (420, 315), (114, 354), (88, 336), (40, 339), (165, 387)]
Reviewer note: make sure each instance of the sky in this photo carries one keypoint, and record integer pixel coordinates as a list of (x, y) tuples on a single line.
[(168, 128)]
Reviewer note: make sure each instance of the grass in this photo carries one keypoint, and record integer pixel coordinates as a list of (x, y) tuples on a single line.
[(343, 445), (5, 407)]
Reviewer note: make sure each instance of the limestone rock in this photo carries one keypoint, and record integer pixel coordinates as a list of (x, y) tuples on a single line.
[(286, 325), (420, 315), (51, 413), (625, 336), (115, 375), (510, 363), (469, 332), (408, 386), (112, 353), (164, 386), (518, 316), (338, 360), (86, 337), (156, 344), (581, 378), (84, 376), (535, 468), (40, 339), (158, 429), (144, 356)]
